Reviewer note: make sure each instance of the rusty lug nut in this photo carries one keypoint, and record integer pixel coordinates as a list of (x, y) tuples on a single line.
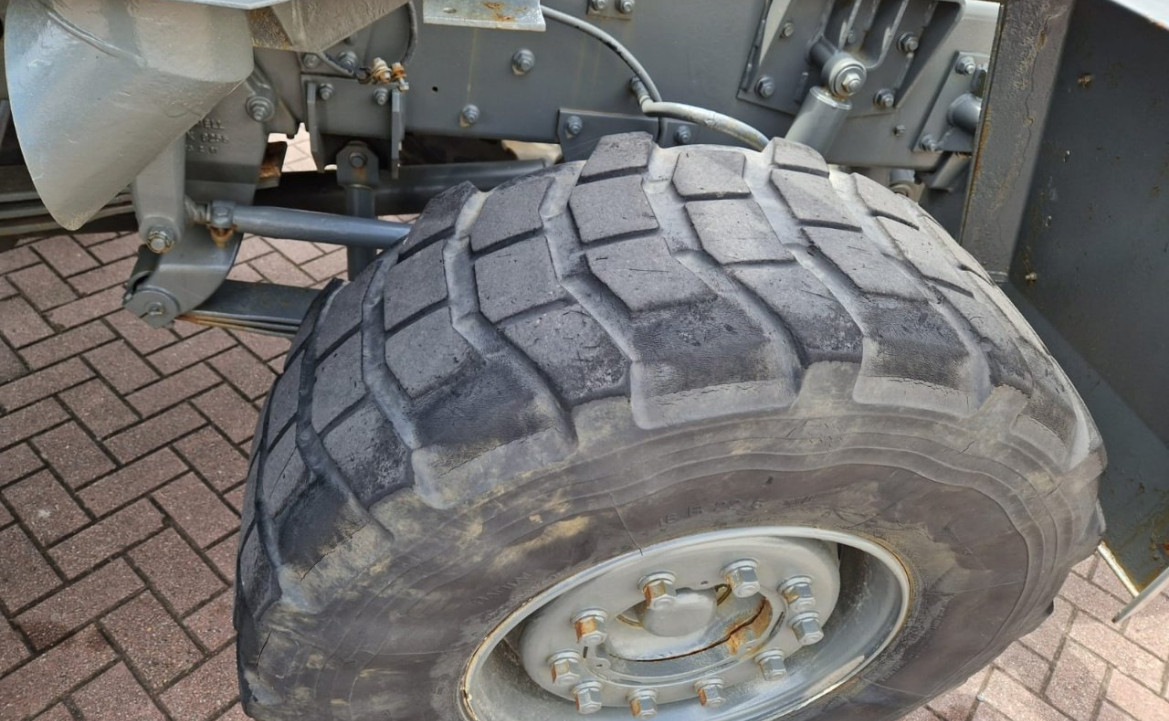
[(710, 692), (806, 626), (742, 578), (588, 697), (797, 594), (590, 627), (644, 703), (658, 589), (771, 665), (566, 668)]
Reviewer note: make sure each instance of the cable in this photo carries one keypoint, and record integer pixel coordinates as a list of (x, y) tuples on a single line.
[(413, 40), (718, 122), (611, 42)]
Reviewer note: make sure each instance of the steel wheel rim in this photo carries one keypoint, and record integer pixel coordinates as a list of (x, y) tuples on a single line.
[(603, 644)]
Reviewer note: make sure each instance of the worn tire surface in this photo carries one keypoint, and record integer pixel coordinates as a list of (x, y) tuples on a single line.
[(654, 343)]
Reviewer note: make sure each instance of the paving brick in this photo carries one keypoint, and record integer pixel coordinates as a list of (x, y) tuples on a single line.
[(245, 274), (186, 329), (1088, 597), (153, 433), (6, 289), (1076, 682), (16, 462), (116, 696), (154, 645), (118, 248), (42, 383), (135, 332), (20, 324), (190, 350), (235, 713), (64, 254), (175, 571), (212, 624), (988, 713), (86, 309), (98, 409), (42, 286), (57, 713), (11, 366), (1150, 627), (327, 266), (266, 347), (1125, 655), (66, 344), (1109, 712), (79, 603), (12, 648), (235, 497), (250, 376), (10, 260), (29, 421), (173, 389), (207, 691), (104, 277), (223, 555), (72, 454), (214, 458), (5, 517), (88, 239), (252, 246), (277, 269), (297, 252), (121, 367), (1136, 700), (106, 538), (45, 507), (230, 413), (921, 714), (132, 481), (1046, 639), (955, 705), (196, 509), (1016, 702), (34, 686)]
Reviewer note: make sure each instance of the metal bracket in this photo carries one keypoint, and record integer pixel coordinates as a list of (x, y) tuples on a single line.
[(499, 15), (579, 131), (943, 131)]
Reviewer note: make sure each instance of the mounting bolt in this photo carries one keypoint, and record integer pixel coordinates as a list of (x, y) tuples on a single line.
[(884, 99), (683, 135), (588, 697), (573, 126), (741, 576), (965, 65), (898, 131), (771, 665), (381, 96), (523, 61), (850, 80), (765, 86), (625, 7), (348, 60), (710, 692), (929, 144), (806, 626), (260, 108), (325, 91), (357, 160), (598, 6), (469, 115), (155, 309), (566, 669), (159, 239), (658, 589), (786, 30), (310, 61), (590, 627), (644, 703), (908, 43)]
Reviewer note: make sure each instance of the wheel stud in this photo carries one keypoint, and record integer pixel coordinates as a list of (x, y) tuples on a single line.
[(588, 697), (590, 627), (658, 589), (710, 692), (742, 578), (566, 668), (644, 704), (807, 628), (771, 664)]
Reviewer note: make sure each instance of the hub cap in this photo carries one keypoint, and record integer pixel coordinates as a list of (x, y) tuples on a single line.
[(732, 625)]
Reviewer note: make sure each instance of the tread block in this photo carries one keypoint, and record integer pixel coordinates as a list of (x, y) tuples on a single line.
[(927, 255), (1048, 405), (414, 284), (913, 342), (822, 327), (284, 394), (812, 199), (343, 314), (516, 278), (735, 231), (424, 354), (573, 351), (314, 524), (866, 266), (618, 154), (611, 208), (883, 202), (369, 453), (512, 210), (1003, 358), (439, 218), (346, 385), (798, 157), (643, 274), (283, 474), (710, 174), (258, 579)]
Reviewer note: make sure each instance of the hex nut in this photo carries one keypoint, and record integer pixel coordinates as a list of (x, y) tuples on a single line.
[(523, 61), (771, 665), (588, 697), (469, 115), (159, 239), (566, 668), (787, 30), (644, 704), (260, 108), (741, 576), (807, 629), (598, 5), (683, 135), (325, 91), (590, 627), (658, 589), (965, 65), (797, 594), (884, 99), (710, 692), (765, 87), (381, 96), (908, 43), (310, 60), (625, 7)]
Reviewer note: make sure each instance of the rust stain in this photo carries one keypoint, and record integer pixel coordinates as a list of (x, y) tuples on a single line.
[(1084, 81), (497, 8)]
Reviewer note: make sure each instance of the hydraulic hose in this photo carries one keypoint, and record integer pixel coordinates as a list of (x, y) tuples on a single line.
[(611, 42), (724, 124)]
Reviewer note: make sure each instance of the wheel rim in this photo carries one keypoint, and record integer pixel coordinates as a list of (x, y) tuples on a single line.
[(735, 625)]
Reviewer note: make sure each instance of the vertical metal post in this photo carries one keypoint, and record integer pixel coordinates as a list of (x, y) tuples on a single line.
[(357, 172)]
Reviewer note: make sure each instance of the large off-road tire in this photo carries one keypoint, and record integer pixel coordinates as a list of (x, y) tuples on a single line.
[(603, 358)]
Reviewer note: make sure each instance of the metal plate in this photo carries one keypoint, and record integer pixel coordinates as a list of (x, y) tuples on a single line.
[(497, 14)]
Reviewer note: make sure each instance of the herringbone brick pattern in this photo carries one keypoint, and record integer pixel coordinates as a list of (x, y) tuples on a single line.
[(122, 459)]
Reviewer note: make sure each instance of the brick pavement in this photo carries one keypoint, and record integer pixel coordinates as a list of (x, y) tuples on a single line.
[(122, 458)]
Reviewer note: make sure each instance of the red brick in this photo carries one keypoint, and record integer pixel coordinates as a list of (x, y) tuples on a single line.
[(175, 571), (252, 247), (76, 605), (6, 288), (12, 648), (1084, 568), (1046, 639), (212, 624), (277, 269), (106, 538), (1135, 699), (266, 347), (103, 277), (20, 324), (244, 273), (42, 286), (131, 481), (1104, 577), (327, 266), (34, 686), (223, 556), (45, 507), (66, 344), (138, 334), (42, 383), (96, 406), (196, 509), (121, 367), (988, 713), (230, 413), (88, 239), (1076, 682), (216, 460), (1108, 712), (186, 329), (1150, 627), (86, 309), (1087, 597), (118, 248), (71, 453), (64, 254), (11, 367), (116, 696), (154, 645), (16, 462), (1016, 702), (235, 713), (1125, 655), (252, 377), (173, 389), (235, 497), (207, 691), (153, 432), (57, 713), (29, 421), (10, 260), (190, 350), (297, 252)]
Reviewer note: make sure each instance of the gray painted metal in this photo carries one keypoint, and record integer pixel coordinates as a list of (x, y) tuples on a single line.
[(159, 193), (1144, 598), (266, 308), (307, 225), (503, 15)]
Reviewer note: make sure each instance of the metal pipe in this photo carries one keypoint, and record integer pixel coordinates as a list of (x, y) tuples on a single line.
[(304, 225), (725, 124), (966, 111), (819, 120)]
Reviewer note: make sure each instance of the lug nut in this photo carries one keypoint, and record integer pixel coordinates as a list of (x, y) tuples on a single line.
[(644, 703), (658, 589), (806, 626), (710, 692), (742, 579), (771, 665), (566, 668), (590, 627), (588, 697), (797, 594)]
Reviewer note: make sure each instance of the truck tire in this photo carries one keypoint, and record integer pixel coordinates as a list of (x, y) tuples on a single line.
[(697, 432)]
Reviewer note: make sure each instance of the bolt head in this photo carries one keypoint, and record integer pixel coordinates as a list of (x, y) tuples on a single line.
[(965, 65), (807, 629), (884, 99), (523, 61), (325, 91), (771, 665), (851, 80), (908, 43), (159, 240), (469, 115), (599, 5), (590, 627), (710, 693), (797, 594), (566, 668), (573, 126), (741, 576), (588, 697), (310, 60), (625, 7), (659, 591), (381, 96), (765, 87), (357, 160), (929, 143), (683, 135), (786, 30), (155, 309), (644, 704)]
